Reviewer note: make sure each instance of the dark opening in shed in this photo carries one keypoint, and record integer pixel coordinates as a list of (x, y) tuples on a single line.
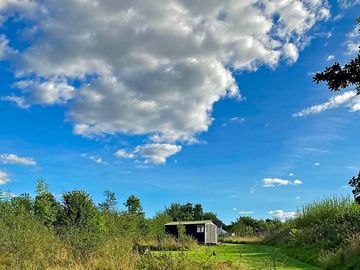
[(204, 231)]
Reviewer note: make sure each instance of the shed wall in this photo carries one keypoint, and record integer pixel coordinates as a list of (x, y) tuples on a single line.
[(210, 234)]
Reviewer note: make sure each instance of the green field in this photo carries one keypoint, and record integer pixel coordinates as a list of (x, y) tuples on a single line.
[(254, 256)]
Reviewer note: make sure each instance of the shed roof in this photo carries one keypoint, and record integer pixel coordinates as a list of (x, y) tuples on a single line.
[(193, 222)]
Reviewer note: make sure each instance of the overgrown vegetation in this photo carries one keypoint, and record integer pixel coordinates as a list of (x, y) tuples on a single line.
[(74, 233), (43, 233), (326, 233)]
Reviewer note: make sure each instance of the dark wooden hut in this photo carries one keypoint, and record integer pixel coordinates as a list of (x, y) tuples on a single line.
[(204, 231)]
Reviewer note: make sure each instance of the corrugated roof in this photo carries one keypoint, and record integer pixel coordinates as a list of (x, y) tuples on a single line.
[(190, 222)]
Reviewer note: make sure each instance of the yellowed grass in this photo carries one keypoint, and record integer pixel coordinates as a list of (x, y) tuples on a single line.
[(243, 240)]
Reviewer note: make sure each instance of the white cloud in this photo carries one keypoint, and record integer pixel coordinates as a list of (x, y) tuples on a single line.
[(353, 40), (246, 212), (156, 153), (234, 209), (291, 174), (330, 57), (297, 182), (46, 92), (151, 68), (234, 120), (19, 101), (273, 182), (5, 50), (6, 194), (124, 154), (291, 52), (348, 3), (94, 158), (4, 177), (282, 215), (14, 159), (348, 99), (317, 164)]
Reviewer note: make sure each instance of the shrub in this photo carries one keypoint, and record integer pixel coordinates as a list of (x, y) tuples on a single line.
[(25, 242)]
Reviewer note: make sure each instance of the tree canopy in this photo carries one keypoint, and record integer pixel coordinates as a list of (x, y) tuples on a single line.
[(339, 77)]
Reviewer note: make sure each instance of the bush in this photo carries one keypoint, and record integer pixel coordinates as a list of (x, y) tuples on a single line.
[(25, 242)]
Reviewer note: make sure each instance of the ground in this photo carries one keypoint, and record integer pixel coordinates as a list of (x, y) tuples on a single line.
[(254, 256)]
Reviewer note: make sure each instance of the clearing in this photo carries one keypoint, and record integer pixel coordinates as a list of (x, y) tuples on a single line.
[(254, 256)]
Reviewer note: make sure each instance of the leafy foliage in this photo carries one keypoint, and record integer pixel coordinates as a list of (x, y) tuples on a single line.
[(133, 205), (340, 77), (109, 205), (355, 184)]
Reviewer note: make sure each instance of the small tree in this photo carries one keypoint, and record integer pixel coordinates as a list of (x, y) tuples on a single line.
[(109, 205), (133, 205), (355, 184), (81, 223), (198, 212), (46, 208)]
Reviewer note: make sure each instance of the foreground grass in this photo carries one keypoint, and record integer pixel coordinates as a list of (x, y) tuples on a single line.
[(254, 256)]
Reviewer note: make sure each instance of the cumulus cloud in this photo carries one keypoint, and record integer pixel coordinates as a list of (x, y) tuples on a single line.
[(124, 154), (282, 215), (330, 57), (46, 92), (349, 99), (14, 159), (317, 164), (18, 100), (4, 177), (154, 153), (151, 68), (273, 182)]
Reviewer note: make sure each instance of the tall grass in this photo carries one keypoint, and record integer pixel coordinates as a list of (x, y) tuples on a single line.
[(324, 228), (327, 209)]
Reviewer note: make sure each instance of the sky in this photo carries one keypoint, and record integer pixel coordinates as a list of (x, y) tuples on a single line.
[(207, 102)]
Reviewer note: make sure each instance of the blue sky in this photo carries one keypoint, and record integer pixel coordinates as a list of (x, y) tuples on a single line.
[(183, 102)]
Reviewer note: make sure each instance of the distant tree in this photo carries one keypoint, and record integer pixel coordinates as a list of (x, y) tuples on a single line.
[(81, 223), (174, 210), (109, 205), (340, 77), (355, 184), (46, 208), (78, 209), (184, 212), (133, 205), (187, 212), (24, 202), (198, 212)]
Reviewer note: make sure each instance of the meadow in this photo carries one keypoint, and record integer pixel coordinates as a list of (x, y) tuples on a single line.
[(75, 233)]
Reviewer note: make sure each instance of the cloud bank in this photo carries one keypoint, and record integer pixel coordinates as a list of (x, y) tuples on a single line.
[(151, 68)]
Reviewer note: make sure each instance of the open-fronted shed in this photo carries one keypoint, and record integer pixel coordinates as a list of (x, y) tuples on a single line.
[(204, 231)]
